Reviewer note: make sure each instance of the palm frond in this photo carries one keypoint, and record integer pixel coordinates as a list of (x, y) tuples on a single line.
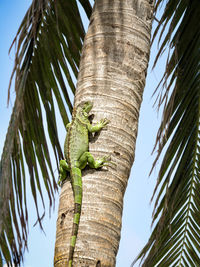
[(48, 48), (175, 240)]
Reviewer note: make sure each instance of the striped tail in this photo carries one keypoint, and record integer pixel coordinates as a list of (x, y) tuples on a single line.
[(77, 189)]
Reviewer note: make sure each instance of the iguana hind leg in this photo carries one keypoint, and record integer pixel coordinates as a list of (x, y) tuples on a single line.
[(64, 168), (95, 164)]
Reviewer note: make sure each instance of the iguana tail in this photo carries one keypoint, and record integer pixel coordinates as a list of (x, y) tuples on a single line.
[(77, 189)]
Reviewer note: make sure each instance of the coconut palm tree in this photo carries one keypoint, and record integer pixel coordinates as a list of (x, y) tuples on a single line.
[(111, 73)]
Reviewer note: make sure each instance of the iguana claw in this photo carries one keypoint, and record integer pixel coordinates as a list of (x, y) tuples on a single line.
[(104, 122)]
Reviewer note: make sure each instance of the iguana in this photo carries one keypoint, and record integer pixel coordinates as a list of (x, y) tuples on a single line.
[(77, 157)]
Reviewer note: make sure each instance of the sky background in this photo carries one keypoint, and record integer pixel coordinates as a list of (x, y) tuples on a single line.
[(137, 208)]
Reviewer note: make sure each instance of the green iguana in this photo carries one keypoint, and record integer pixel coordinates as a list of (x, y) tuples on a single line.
[(76, 158)]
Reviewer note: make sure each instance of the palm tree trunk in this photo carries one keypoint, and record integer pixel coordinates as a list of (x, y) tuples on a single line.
[(112, 75)]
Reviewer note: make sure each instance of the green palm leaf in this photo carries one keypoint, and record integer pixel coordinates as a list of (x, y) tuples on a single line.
[(175, 240), (48, 45)]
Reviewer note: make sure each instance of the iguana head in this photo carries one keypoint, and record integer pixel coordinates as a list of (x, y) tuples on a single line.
[(87, 106), (83, 110)]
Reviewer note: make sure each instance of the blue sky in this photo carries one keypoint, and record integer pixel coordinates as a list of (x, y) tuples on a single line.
[(137, 209)]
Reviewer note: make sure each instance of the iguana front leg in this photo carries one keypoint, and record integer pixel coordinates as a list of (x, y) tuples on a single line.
[(64, 168), (98, 126)]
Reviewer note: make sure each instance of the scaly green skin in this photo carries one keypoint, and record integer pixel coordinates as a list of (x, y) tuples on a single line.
[(76, 158)]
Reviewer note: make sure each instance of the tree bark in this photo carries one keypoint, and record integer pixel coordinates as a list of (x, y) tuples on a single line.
[(112, 75)]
